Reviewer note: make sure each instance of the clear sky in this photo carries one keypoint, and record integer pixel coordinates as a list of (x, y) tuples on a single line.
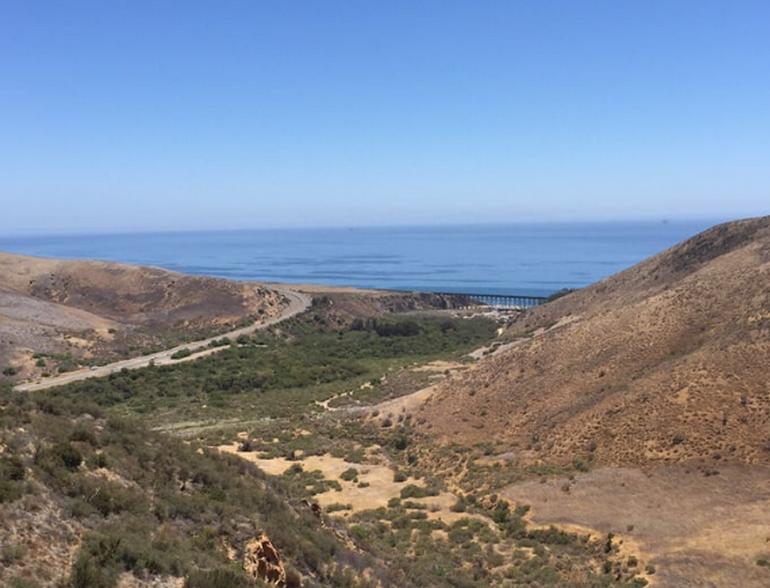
[(190, 115)]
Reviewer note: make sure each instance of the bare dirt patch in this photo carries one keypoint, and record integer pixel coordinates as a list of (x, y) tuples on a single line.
[(381, 485), (402, 405), (440, 366), (372, 488), (696, 529)]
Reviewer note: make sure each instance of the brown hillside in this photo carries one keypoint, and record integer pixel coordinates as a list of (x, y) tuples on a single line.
[(97, 310), (664, 362)]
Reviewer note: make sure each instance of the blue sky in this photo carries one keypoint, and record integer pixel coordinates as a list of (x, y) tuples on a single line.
[(192, 115)]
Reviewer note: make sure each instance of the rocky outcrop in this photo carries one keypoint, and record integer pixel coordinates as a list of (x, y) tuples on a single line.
[(262, 561)]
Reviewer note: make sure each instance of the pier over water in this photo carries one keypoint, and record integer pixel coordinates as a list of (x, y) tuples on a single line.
[(501, 300)]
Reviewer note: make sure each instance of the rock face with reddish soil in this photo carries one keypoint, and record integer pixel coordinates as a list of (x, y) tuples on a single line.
[(89, 309), (665, 362), (262, 561)]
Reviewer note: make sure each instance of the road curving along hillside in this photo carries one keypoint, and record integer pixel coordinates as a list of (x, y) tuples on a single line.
[(298, 302)]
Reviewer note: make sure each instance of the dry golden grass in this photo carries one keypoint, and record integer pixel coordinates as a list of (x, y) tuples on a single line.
[(665, 362), (90, 309)]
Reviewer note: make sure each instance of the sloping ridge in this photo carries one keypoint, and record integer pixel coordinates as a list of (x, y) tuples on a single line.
[(89, 309), (665, 362), (125, 292)]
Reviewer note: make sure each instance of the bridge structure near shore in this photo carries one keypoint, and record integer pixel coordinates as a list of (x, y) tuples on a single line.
[(501, 300)]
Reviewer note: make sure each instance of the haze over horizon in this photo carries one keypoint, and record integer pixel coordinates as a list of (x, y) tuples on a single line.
[(398, 294), (142, 117), (706, 221)]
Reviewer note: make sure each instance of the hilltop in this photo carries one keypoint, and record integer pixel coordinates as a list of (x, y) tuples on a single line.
[(57, 314), (664, 362)]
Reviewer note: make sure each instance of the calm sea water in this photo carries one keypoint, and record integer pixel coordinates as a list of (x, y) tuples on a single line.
[(534, 259)]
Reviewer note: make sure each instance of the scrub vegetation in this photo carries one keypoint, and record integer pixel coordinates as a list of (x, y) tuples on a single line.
[(280, 374), (127, 499)]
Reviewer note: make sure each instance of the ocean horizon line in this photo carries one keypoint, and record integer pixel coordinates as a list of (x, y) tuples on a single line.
[(374, 227)]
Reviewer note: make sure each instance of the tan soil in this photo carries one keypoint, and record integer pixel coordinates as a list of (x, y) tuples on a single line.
[(379, 477), (663, 363), (697, 530), (403, 405), (440, 366)]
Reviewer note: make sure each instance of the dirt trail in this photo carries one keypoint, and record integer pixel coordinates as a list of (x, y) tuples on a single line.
[(408, 402), (298, 303)]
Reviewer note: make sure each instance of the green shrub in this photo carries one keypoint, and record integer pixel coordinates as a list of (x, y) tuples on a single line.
[(66, 364), (359, 532), (107, 497), (460, 535), (88, 573), (68, 455), (401, 442), (12, 474), (83, 435), (181, 354), (101, 461), (19, 582), (11, 468), (580, 464), (217, 578), (404, 328), (416, 505), (10, 553), (10, 491), (413, 491), (246, 446)]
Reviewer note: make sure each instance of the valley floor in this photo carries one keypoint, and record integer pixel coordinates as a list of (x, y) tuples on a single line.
[(328, 415)]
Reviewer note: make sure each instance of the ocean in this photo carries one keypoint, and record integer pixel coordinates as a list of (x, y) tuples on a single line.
[(527, 259)]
